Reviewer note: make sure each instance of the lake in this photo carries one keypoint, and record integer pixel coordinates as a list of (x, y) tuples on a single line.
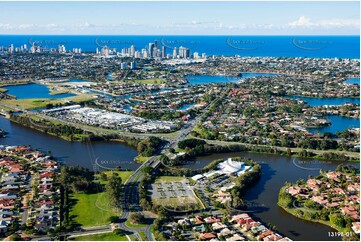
[(109, 154), (353, 81), (33, 90), (263, 196), (338, 123), (327, 101)]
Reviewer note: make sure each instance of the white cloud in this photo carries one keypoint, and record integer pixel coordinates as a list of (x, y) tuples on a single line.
[(25, 26), (305, 22), (194, 23), (340, 23), (84, 25), (302, 25), (6, 26)]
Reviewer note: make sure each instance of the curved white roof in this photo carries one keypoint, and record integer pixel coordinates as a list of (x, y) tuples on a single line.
[(228, 166)]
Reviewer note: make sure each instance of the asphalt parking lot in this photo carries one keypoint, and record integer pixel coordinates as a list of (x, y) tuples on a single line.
[(171, 190)]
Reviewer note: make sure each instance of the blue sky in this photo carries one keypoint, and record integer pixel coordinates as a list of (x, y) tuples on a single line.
[(181, 18)]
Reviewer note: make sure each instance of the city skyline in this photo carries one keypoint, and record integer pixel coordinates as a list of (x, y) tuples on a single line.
[(180, 18)]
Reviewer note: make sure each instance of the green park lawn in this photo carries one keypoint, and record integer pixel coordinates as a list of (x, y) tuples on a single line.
[(101, 237), (91, 209), (34, 103), (94, 209)]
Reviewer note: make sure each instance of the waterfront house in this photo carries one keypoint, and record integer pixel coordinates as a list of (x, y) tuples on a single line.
[(258, 229), (320, 200), (21, 149), (239, 216), (294, 190), (249, 226), (245, 221), (351, 211), (264, 234), (273, 237), (314, 184), (333, 175), (332, 205)]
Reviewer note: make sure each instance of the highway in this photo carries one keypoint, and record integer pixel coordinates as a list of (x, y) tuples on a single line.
[(131, 198)]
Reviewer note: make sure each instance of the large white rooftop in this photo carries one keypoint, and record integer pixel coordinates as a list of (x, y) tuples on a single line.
[(197, 177), (229, 166)]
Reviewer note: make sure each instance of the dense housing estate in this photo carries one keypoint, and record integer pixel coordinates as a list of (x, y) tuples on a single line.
[(239, 227), (29, 192), (332, 196)]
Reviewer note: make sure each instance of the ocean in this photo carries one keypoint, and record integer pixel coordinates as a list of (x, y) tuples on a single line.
[(263, 46)]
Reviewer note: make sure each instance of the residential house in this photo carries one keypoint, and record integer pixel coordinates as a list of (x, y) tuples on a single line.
[(218, 226), (211, 219), (264, 234), (207, 236)]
